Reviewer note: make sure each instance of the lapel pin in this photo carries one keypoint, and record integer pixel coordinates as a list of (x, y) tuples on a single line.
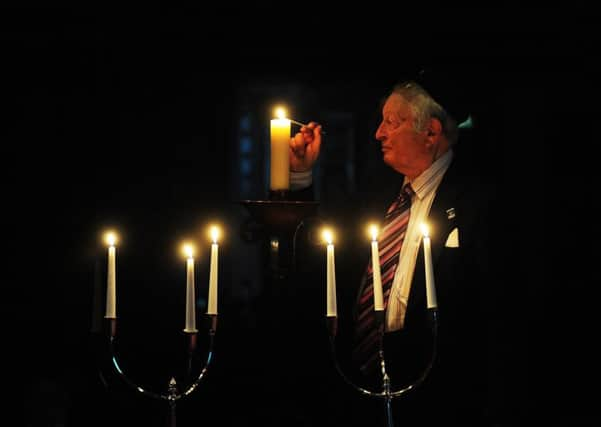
[(451, 213)]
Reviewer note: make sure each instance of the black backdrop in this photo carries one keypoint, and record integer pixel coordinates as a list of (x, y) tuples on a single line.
[(123, 116)]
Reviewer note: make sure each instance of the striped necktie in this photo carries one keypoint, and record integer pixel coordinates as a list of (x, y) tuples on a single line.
[(368, 330)]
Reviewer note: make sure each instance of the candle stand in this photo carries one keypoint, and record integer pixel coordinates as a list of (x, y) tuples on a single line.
[(280, 220), (386, 393), (280, 215), (173, 393)]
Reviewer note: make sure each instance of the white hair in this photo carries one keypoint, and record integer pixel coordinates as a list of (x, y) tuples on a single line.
[(425, 107)]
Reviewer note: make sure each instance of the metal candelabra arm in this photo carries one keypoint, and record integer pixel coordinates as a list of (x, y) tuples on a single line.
[(172, 395), (386, 393)]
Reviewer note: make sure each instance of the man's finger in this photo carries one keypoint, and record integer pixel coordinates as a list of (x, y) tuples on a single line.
[(298, 145)]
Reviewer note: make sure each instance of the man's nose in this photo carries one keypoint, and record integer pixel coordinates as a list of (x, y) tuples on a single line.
[(379, 133)]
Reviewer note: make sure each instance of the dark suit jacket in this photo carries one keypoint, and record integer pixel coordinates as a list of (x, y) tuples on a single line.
[(466, 283)]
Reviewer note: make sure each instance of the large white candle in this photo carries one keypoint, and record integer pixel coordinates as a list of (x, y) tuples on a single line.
[(280, 154), (190, 292), (375, 266), (430, 287), (111, 279), (331, 310), (213, 273)]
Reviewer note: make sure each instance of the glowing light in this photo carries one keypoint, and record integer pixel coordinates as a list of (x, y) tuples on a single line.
[(188, 250), (373, 231), (110, 238), (425, 229), (280, 112), (215, 233), (327, 236)]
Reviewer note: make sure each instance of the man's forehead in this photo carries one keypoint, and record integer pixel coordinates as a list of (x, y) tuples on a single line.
[(394, 104)]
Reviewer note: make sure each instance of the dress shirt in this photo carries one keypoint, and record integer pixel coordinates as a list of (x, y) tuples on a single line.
[(425, 186)]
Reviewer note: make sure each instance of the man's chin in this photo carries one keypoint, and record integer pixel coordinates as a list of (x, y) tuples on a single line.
[(390, 163), (386, 157)]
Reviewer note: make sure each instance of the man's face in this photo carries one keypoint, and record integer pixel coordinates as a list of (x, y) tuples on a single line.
[(403, 148)]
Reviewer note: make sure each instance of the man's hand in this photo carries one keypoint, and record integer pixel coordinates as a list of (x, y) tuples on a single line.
[(304, 147)]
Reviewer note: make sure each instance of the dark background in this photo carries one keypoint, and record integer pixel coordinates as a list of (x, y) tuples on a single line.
[(134, 117)]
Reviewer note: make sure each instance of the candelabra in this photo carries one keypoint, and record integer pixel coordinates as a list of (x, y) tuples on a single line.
[(173, 393)]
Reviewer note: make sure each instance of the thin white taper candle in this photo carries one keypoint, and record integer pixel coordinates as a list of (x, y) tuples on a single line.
[(375, 265), (331, 309), (213, 273), (429, 269), (190, 295), (111, 280)]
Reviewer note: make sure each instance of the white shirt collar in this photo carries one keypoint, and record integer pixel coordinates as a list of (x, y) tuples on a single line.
[(429, 179)]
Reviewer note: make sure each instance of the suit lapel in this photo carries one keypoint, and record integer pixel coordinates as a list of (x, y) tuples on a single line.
[(444, 211), (441, 221)]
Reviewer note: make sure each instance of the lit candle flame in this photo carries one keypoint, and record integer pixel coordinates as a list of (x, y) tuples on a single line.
[(328, 236), (188, 250), (214, 232), (110, 238), (280, 112), (424, 227), (373, 231)]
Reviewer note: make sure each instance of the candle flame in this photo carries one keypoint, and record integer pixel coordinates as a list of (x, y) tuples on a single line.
[(110, 238), (424, 227), (373, 231), (214, 232), (327, 236), (280, 112), (188, 250)]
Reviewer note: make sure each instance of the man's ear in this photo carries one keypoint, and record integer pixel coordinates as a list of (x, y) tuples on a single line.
[(434, 127), (433, 130)]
